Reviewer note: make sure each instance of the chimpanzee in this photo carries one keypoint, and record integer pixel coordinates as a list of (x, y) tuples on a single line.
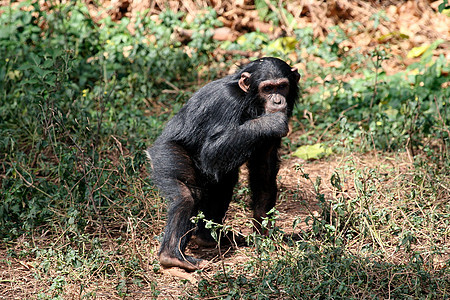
[(195, 162)]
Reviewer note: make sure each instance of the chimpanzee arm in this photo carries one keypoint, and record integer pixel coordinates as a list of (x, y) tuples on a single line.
[(229, 147)]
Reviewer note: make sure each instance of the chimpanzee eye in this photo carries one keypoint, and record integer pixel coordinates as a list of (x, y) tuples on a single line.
[(267, 88), (283, 86)]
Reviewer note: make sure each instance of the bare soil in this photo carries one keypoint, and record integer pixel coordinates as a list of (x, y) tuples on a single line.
[(20, 277)]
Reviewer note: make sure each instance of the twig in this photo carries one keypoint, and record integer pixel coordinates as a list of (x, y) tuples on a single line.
[(440, 117), (30, 183), (179, 245), (222, 261), (91, 197)]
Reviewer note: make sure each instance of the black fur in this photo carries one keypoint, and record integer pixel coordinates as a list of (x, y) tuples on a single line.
[(196, 159)]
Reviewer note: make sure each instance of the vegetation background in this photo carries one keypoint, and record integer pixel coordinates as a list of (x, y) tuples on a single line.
[(363, 209)]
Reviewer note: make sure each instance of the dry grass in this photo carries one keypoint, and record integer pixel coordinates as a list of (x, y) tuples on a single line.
[(30, 271)]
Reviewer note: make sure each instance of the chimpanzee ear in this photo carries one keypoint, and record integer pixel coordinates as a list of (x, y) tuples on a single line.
[(244, 83), (295, 73)]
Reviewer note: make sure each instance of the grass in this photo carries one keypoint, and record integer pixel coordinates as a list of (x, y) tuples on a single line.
[(79, 218), (379, 239)]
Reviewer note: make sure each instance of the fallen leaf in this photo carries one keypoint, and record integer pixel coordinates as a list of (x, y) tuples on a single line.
[(283, 44), (181, 274), (312, 151), (417, 51)]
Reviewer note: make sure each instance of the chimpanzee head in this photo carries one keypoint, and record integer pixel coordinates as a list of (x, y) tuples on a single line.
[(271, 83)]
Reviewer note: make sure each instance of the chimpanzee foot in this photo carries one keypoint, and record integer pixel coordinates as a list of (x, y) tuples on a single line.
[(190, 264)]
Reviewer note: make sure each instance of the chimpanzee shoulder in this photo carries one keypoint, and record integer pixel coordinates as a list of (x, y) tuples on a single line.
[(214, 103)]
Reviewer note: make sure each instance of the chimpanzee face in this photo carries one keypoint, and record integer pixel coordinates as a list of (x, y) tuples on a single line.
[(273, 92)]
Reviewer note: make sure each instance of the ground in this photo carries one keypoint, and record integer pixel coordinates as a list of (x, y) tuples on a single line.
[(297, 200)]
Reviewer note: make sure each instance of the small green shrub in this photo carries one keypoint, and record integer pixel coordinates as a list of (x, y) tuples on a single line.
[(77, 108)]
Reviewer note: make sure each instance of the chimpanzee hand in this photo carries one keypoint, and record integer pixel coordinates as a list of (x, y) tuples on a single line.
[(270, 125), (278, 124)]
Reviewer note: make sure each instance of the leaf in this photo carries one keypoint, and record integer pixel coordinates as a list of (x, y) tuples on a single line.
[(429, 52), (391, 35), (14, 74), (392, 113), (312, 151), (241, 40), (417, 51), (41, 72), (6, 32), (283, 44), (36, 59), (443, 6), (47, 64), (425, 49), (262, 8), (25, 66)]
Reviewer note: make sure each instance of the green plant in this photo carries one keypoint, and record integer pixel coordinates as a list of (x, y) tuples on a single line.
[(72, 96)]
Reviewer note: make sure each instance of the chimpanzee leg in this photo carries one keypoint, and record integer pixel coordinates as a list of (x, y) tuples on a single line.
[(214, 205), (263, 168), (174, 174)]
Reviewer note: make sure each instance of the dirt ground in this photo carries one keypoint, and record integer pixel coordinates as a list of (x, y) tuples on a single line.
[(298, 201), (19, 279)]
